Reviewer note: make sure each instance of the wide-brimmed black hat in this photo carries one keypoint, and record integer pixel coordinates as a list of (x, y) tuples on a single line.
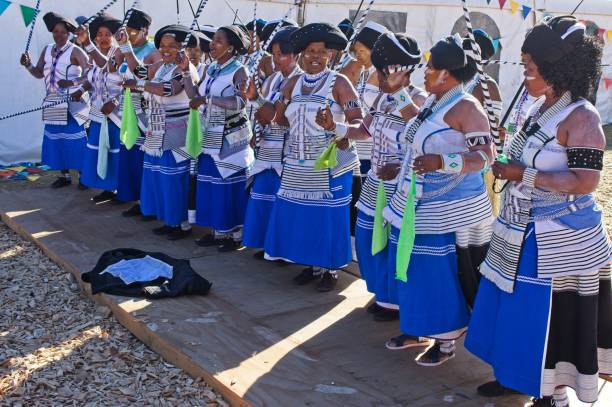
[(104, 20), (271, 26), (370, 33), (179, 32), (395, 49), (346, 26), (52, 19), (199, 39), (259, 25), (318, 32), (139, 19), (237, 38), (283, 38)]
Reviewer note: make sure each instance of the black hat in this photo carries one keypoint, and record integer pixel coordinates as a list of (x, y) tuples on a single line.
[(318, 32), (208, 31), (104, 20), (80, 20), (199, 39), (346, 26), (139, 19), (52, 19), (283, 39), (552, 40), (179, 32), (485, 42), (271, 25), (448, 53), (259, 25), (237, 38), (370, 33), (395, 49)]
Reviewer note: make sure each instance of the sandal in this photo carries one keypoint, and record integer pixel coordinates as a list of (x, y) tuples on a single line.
[(405, 341), (433, 356)]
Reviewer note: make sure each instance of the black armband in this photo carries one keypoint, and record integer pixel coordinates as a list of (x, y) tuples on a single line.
[(168, 89), (352, 104), (141, 72), (585, 158)]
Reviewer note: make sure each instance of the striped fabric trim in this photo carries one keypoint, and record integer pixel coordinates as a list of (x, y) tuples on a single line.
[(566, 374), (262, 197), (331, 203), (220, 181), (364, 224), (110, 150), (166, 170), (369, 191), (303, 181), (477, 235), (437, 251), (65, 136)]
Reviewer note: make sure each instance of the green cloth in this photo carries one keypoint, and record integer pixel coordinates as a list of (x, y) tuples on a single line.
[(129, 122), (502, 158), (193, 144), (103, 149), (380, 233), (328, 158), (407, 234)]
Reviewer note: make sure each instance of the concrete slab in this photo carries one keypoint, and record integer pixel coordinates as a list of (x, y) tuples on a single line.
[(256, 338)]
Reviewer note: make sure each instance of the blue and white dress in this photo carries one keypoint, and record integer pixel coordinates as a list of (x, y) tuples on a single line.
[(265, 175), (543, 313), (221, 195), (368, 95), (310, 222), (65, 137), (165, 176), (452, 210), (131, 161), (388, 146), (106, 87)]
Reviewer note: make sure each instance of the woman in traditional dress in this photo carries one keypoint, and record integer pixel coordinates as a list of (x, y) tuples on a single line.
[(266, 171), (543, 314), (310, 223), (449, 145), (137, 54), (165, 178), (101, 164), (61, 64), (221, 188), (388, 114), (198, 46)]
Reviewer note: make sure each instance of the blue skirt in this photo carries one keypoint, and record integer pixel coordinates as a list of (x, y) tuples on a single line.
[(130, 173), (165, 188), (431, 301), (261, 201), (89, 176), (379, 278), (220, 203), (509, 330), (313, 232), (63, 146)]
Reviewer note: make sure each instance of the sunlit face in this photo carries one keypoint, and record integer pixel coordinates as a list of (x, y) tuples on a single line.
[(169, 48), (435, 78), (104, 38), (281, 61), (60, 34), (362, 53), (137, 37), (315, 57), (220, 45), (534, 83), (194, 54)]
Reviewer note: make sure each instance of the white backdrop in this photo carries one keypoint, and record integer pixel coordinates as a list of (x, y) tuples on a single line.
[(427, 21)]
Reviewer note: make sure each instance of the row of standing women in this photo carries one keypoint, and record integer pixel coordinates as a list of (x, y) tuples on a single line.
[(425, 230)]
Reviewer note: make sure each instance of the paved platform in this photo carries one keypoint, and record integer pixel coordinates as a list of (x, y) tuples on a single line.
[(256, 338)]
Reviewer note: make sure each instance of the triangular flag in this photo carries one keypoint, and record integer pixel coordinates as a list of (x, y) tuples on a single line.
[(513, 6), (502, 3), (193, 143), (129, 121), (4, 5), (526, 11), (601, 32), (28, 14), (427, 55), (496, 44), (609, 35), (607, 82), (488, 1)]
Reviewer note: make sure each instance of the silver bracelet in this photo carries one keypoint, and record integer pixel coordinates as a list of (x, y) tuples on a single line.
[(485, 166), (89, 48), (140, 85), (341, 130), (126, 48), (529, 177)]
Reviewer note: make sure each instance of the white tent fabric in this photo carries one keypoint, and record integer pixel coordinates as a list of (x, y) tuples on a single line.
[(427, 21)]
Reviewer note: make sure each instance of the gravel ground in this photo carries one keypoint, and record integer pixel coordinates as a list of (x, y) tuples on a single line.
[(59, 348)]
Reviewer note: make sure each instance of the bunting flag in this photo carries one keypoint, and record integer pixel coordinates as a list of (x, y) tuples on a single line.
[(28, 14), (514, 6), (609, 35), (427, 55), (526, 10), (601, 32), (4, 5), (502, 3), (488, 1), (607, 82), (496, 44)]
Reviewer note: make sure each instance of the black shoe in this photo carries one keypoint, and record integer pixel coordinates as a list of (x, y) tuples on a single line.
[(494, 389), (83, 187), (133, 211), (148, 218), (386, 315), (373, 308), (165, 230), (308, 275), (208, 241), (328, 282), (61, 182), (542, 402), (259, 255), (103, 196), (179, 233), (229, 245)]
